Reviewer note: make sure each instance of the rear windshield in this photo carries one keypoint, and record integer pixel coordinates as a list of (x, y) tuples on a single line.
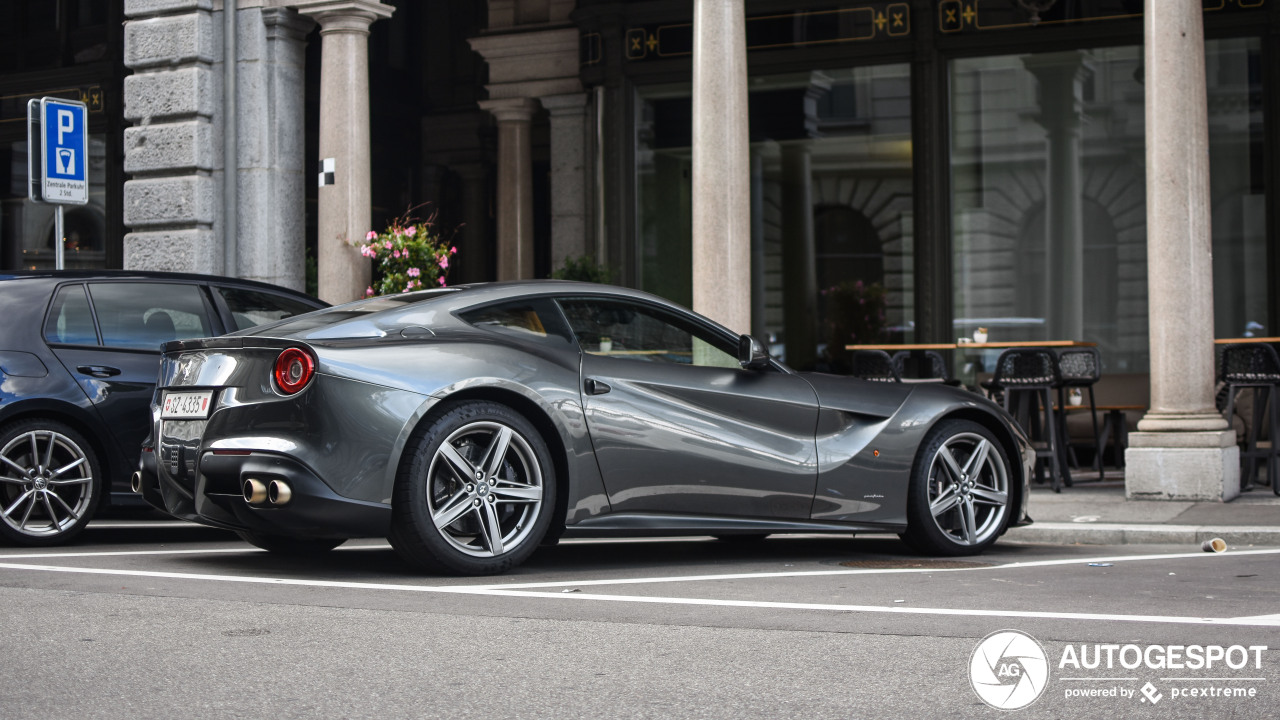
[(349, 313)]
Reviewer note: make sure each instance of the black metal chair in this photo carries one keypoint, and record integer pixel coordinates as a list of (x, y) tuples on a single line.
[(935, 367), (874, 365), (1027, 377), (1255, 368), (1080, 368)]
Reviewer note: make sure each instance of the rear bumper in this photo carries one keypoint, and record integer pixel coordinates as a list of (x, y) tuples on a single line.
[(212, 496)]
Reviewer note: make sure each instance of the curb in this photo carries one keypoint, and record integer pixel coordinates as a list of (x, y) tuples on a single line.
[(1070, 533)]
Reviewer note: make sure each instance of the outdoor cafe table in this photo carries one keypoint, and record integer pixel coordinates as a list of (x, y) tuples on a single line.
[(917, 358)]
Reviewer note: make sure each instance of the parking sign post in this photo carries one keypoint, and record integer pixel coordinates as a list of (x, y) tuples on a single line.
[(58, 134)]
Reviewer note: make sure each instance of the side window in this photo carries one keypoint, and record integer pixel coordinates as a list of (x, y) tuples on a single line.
[(528, 319), (143, 316), (70, 320), (250, 308), (638, 332)]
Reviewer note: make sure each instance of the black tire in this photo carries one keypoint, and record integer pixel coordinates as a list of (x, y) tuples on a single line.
[(291, 546), (958, 509), (513, 499), (49, 494)]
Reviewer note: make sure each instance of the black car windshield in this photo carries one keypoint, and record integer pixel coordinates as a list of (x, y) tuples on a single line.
[(350, 313)]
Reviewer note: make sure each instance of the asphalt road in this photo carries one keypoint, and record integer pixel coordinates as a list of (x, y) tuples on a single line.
[(156, 620)]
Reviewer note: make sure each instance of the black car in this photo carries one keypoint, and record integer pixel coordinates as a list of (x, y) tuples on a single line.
[(79, 355)]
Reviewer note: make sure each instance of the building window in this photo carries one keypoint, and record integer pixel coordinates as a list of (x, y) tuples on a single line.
[(831, 207)]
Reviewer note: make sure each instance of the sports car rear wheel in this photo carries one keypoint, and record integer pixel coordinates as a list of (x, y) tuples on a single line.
[(49, 482), (475, 496), (958, 500)]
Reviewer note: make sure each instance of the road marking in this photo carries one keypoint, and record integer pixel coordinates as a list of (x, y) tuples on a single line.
[(1257, 621)]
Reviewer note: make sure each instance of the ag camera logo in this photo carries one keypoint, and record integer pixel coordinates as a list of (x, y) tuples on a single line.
[(1009, 670)]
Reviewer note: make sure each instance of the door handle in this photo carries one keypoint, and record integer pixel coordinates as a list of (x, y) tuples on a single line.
[(99, 371), (595, 387)]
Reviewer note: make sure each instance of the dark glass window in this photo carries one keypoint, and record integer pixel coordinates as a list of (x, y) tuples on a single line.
[(143, 316), (70, 320), (250, 308), (636, 332), (536, 320)]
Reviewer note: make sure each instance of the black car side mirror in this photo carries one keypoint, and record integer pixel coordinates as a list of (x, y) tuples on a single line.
[(752, 354)]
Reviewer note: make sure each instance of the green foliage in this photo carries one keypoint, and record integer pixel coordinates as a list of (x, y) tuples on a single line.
[(584, 268), (408, 255)]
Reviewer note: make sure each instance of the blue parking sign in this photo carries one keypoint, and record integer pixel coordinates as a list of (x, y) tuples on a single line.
[(65, 136)]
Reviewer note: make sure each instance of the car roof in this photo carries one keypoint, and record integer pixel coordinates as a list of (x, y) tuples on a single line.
[(65, 275)]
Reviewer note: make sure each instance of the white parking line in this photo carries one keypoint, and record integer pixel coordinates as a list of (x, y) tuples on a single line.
[(517, 590)]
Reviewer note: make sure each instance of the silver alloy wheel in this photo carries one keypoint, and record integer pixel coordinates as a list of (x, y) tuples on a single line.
[(485, 489), (968, 488), (47, 484)]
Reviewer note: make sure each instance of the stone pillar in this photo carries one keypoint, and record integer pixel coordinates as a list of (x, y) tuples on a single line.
[(515, 186), (475, 255), (721, 165), (344, 207), (1061, 108), (570, 201), (1183, 450), (799, 269), (271, 216), (173, 150), (541, 62)]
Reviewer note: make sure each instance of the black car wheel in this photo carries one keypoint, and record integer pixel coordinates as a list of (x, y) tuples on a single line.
[(476, 494), (297, 547), (50, 480), (958, 499)]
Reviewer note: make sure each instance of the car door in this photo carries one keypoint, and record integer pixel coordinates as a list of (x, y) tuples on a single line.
[(678, 426), (133, 320)]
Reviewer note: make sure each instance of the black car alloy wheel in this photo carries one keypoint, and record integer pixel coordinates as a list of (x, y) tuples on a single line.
[(477, 493), (49, 482), (958, 501)]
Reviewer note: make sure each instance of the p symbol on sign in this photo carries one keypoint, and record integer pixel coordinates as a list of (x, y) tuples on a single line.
[(66, 124)]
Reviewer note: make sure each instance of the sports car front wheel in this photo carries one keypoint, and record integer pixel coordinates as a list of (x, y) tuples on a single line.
[(476, 494), (958, 500)]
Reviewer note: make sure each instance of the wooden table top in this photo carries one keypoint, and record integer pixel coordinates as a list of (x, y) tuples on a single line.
[(1233, 341), (978, 346)]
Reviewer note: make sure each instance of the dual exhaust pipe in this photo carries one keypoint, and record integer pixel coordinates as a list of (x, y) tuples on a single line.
[(258, 493)]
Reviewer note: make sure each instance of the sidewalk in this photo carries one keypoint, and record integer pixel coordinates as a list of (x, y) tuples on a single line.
[(1097, 513)]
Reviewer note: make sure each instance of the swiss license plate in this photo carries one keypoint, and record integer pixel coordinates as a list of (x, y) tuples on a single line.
[(186, 404)]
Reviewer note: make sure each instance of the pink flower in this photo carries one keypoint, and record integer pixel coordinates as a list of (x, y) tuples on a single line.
[(410, 231), (371, 235), (414, 272), (387, 244), (444, 261), (453, 250), (369, 291), (441, 282)]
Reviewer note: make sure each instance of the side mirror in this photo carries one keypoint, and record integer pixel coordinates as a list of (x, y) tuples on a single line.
[(752, 354)]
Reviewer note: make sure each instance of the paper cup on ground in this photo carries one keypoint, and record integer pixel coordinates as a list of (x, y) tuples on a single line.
[(1215, 545)]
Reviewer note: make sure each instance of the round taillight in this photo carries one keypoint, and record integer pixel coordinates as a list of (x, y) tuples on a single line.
[(294, 369)]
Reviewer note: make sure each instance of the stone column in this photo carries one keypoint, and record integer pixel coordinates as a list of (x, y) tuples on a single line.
[(173, 150), (799, 269), (1183, 450), (344, 207), (1061, 108), (515, 186), (570, 201), (474, 251), (271, 217), (721, 165)]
